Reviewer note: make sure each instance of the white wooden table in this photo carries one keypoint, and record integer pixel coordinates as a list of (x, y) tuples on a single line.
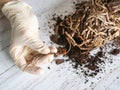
[(59, 77)]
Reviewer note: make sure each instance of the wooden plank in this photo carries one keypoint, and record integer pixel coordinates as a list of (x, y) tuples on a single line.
[(61, 77)]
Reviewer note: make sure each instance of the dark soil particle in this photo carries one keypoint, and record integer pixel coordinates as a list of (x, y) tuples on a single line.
[(114, 51), (100, 54), (117, 77), (59, 61), (48, 67)]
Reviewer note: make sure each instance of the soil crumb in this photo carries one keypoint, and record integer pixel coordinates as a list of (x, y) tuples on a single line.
[(115, 51), (59, 61)]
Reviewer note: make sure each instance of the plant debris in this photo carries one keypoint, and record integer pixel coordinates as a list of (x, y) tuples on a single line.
[(94, 23)]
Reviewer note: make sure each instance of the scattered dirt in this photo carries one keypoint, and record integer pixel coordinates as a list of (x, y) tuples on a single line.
[(59, 61), (94, 23), (115, 51)]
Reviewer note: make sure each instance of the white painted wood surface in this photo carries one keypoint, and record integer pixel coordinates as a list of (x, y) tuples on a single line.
[(61, 77)]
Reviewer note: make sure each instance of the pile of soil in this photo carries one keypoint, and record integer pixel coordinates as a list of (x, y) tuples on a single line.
[(94, 23)]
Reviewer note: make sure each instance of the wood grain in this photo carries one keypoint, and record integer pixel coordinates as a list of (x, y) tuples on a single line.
[(59, 77)]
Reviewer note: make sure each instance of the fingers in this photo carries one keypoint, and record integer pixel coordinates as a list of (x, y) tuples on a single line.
[(34, 70), (28, 68), (24, 55), (35, 66), (43, 59), (17, 53), (38, 46), (21, 63), (53, 49)]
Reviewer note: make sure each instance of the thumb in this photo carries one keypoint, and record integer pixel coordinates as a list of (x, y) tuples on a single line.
[(38, 46)]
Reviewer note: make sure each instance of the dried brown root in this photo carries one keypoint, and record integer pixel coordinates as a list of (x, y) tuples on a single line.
[(92, 25)]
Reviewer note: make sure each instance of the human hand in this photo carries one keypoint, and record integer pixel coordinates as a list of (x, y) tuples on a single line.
[(28, 51), (31, 60)]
